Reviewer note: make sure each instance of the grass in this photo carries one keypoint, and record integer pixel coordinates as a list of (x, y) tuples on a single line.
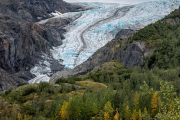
[(111, 66), (91, 85)]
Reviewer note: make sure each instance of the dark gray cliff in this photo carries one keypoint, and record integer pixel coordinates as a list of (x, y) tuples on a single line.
[(134, 54), (33, 10), (23, 43), (6, 80), (20, 43)]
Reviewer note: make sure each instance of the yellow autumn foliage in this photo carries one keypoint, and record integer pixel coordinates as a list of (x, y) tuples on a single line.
[(136, 101), (134, 116), (116, 115), (127, 113), (140, 115), (155, 103), (106, 116), (108, 108), (64, 111)]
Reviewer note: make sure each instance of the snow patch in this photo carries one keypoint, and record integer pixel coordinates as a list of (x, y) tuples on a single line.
[(39, 78), (56, 13)]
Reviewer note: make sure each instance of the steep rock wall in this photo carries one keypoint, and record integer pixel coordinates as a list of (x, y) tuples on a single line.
[(34, 10)]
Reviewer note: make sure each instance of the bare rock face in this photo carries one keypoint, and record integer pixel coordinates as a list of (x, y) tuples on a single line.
[(134, 54), (33, 10), (6, 81), (20, 43), (22, 76), (170, 21), (124, 33), (54, 30), (24, 42)]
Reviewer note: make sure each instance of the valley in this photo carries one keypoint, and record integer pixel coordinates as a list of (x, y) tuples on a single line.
[(89, 61)]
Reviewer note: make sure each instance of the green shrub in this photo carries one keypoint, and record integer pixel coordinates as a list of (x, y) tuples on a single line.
[(43, 85), (20, 84), (30, 109), (70, 80), (8, 91), (46, 87), (28, 90), (60, 80)]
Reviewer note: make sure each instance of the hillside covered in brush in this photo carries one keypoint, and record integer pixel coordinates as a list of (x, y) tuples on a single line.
[(112, 91)]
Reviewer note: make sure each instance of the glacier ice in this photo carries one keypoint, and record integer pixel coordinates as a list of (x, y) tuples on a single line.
[(137, 17), (98, 25)]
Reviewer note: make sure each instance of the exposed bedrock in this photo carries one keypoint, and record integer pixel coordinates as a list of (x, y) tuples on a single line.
[(7, 81), (34, 10), (24, 43)]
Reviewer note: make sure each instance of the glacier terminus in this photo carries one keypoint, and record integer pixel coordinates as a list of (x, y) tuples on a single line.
[(93, 28)]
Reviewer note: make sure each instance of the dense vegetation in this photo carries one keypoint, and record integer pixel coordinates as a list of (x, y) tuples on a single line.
[(165, 36), (113, 91), (155, 33), (128, 94)]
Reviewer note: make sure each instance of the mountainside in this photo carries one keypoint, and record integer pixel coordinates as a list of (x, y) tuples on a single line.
[(33, 52), (107, 86), (95, 27), (24, 43)]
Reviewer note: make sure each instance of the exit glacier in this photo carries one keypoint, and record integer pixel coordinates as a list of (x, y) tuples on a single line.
[(99, 24)]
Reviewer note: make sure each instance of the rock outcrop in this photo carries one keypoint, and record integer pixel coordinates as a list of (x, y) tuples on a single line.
[(6, 81), (34, 10), (134, 54), (21, 46)]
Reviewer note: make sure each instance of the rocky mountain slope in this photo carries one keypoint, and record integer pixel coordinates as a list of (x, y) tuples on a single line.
[(33, 10), (24, 43)]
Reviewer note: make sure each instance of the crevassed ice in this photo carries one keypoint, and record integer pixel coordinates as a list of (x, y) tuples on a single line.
[(137, 17), (97, 35), (39, 78)]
